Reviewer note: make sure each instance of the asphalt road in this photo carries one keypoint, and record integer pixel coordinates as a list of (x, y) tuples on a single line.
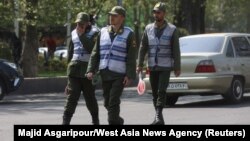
[(135, 109)]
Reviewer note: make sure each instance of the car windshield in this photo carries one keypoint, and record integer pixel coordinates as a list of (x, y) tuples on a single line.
[(201, 44)]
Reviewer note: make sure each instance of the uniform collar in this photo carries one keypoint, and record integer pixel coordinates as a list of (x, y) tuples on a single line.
[(162, 26), (120, 31)]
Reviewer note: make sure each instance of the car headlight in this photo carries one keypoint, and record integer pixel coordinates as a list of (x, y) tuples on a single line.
[(12, 65)]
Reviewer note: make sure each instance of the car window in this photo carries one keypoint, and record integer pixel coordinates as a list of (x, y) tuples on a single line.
[(230, 51), (201, 44), (241, 46), (61, 48)]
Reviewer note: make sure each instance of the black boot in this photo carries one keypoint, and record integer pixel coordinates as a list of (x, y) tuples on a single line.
[(119, 121), (154, 117), (95, 120), (66, 120), (159, 120)]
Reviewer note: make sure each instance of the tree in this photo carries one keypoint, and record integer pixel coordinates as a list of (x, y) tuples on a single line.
[(228, 16), (191, 15), (47, 14), (248, 16), (29, 60), (6, 12)]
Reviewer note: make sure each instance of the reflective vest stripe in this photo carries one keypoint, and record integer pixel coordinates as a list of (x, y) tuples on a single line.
[(114, 54), (160, 50), (80, 53)]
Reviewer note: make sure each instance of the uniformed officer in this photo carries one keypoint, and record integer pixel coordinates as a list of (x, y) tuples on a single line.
[(115, 56), (81, 45), (161, 42)]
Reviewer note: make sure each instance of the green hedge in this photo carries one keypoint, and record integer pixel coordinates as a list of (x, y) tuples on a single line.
[(5, 51), (55, 67)]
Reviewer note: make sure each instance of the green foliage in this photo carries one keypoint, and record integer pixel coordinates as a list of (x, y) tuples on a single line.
[(183, 32), (228, 16), (5, 51), (7, 14), (58, 65), (54, 68), (221, 15), (54, 64), (51, 73), (52, 12)]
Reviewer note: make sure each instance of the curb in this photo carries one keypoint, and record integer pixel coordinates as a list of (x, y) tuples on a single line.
[(42, 85)]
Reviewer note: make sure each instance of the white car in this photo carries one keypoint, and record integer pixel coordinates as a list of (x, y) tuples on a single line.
[(212, 64), (42, 50), (61, 51)]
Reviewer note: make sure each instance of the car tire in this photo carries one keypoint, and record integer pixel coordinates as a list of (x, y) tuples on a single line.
[(171, 100), (2, 90), (235, 92)]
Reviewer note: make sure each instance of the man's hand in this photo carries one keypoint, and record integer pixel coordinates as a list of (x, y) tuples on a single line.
[(66, 91), (126, 81), (139, 69), (89, 75), (177, 73), (81, 28)]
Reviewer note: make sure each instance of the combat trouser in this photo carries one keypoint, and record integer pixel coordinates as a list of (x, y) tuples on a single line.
[(75, 87), (159, 81), (112, 91)]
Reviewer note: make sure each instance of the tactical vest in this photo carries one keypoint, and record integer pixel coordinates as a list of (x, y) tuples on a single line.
[(113, 55), (80, 53), (160, 49)]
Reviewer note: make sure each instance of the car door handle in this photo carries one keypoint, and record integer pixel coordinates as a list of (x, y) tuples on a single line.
[(242, 64)]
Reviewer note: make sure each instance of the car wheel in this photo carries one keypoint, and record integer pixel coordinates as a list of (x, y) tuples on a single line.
[(2, 90), (171, 100), (235, 93)]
